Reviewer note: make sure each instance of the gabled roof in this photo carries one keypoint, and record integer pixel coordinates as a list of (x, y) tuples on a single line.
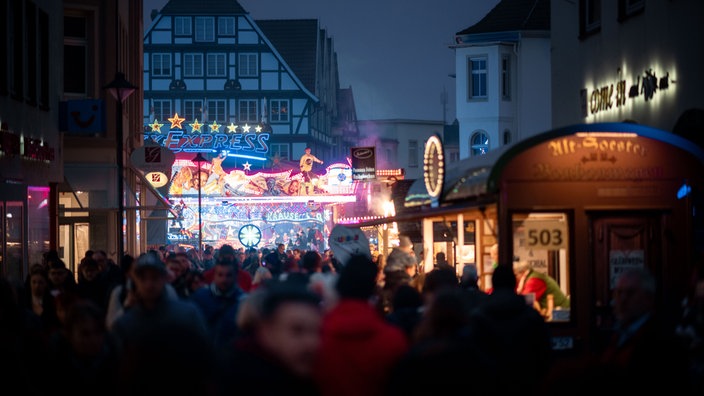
[(513, 15), (297, 42), (345, 103), (206, 7)]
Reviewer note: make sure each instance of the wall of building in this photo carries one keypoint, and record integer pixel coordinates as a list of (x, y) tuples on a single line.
[(593, 76), (533, 87), (525, 111), (398, 137)]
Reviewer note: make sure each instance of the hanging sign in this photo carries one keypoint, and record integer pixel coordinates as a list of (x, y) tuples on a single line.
[(157, 179), (363, 163)]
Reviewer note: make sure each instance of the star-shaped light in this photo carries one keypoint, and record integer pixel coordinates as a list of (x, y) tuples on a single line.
[(176, 121), (156, 127), (246, 127), (196, 126), (232, 127), (258, 128), (215, 127), (247, 166)]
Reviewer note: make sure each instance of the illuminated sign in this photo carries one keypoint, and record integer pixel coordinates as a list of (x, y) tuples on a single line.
[(597, 156), (250, 235), (363, 163), (178, 141), (207, 138), (339, 175), (157, 179), (616, 95), (434, 167)]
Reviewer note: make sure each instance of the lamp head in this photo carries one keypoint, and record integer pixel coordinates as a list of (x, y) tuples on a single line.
[(120, 88)]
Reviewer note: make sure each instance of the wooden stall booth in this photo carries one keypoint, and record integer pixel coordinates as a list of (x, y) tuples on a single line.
[(580, 204), (585, 202)]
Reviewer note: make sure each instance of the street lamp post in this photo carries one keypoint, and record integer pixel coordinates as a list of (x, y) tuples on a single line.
[(198, 159), (120, 89)]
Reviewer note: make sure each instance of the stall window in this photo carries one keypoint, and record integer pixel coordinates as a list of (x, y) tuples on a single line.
[(541, 260)]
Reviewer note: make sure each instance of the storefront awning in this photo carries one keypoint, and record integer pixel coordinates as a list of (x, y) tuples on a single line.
[(427, 212), (466, 179)]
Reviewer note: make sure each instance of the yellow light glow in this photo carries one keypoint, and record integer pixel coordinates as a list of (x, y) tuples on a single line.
[(607, 134)]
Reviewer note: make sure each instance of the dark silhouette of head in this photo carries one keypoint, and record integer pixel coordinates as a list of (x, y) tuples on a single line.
[(358, 278)]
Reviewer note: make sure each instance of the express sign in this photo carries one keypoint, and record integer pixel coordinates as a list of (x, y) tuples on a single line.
[(178, 141)]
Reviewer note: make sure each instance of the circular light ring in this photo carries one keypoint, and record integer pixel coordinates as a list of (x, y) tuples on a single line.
[(249, 235), (434, 166)]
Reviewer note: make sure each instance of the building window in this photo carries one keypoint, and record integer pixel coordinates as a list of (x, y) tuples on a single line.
[(216, 65), (247, 110), (193, 65), (182, 26), (412, 153), (507, 137), (280, 149), (161, 109), (279, 111), (161, 65), (205, 29), (454, 156), (247, 66), (31, 49), (589, 17), (477, 78), (76, 46), (629, 8), (506, 77), (479, 143), (226, 26), (192, 109), (15, 28), (216, 111)]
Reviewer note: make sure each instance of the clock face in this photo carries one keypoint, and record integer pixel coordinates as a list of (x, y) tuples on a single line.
[(434, 166), (250, 235)]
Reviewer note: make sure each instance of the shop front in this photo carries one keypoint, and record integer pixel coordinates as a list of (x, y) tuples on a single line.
[(581, 204), (28, 178)]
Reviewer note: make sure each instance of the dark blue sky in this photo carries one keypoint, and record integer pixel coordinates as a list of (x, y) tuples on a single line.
[(393, 53)]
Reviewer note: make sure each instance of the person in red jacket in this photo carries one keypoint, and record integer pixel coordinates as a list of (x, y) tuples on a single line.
[(358, 347)]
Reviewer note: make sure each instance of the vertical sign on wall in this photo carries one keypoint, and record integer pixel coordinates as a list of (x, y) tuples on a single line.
[(363, 163)]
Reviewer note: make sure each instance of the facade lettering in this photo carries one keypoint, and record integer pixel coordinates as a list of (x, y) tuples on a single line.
[(604, 145), (578, 172), (605, 97)]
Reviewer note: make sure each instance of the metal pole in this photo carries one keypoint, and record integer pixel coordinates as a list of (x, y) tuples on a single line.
[(200, 222)]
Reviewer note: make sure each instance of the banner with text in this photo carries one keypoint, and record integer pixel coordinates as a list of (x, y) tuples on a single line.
[(363, 163)]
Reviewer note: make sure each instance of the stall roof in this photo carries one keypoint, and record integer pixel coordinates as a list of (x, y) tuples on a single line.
[(465, 179), (473, 182), (600, 128)]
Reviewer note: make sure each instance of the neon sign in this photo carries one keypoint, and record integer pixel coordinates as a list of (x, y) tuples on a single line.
[(179, 141), (237, 139)]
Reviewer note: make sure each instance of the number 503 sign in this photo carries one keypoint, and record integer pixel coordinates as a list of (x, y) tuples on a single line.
[(547, 235)]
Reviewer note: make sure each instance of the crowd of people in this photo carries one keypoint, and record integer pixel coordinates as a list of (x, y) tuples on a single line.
[(273, 322)]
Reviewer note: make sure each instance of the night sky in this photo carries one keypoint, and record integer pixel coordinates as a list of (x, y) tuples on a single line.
[(393, 53)]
